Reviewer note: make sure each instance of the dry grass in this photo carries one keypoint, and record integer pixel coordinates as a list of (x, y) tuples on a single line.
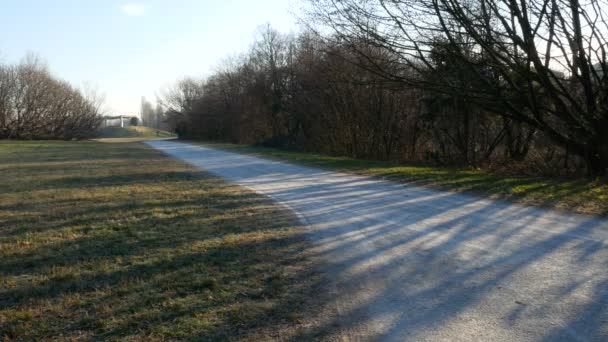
[(131, 134), (118, 242), (582, 195)]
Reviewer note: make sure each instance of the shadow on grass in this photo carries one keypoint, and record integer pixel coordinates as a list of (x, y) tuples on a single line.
[(147, 249)]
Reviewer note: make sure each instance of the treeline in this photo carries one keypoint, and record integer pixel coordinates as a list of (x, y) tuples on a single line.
[(36, 105), (516, 85)]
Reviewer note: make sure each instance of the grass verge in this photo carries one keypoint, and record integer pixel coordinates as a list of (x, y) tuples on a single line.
[(131, 134), (587, 196), (118, 242)]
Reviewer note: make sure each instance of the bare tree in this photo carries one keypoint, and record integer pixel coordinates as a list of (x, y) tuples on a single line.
[(538, 62), (35, 105)]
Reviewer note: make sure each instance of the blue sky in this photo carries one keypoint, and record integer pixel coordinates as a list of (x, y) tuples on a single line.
[(129, 49)]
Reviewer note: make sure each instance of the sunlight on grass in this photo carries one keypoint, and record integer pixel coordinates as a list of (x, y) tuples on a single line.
[(588, 196), (132, 133), (116, 241)]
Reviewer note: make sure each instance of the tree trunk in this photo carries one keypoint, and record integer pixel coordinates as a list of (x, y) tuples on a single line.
[(597, 161)]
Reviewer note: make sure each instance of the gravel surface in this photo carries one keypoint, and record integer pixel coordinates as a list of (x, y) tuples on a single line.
[(408, 263)]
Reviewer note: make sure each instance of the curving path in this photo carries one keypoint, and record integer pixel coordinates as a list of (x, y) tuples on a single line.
[(415, 264)]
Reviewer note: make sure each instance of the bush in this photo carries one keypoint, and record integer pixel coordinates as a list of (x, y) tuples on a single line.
[(36, 105)]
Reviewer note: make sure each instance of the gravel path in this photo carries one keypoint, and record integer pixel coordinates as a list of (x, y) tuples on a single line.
[(415, 264)]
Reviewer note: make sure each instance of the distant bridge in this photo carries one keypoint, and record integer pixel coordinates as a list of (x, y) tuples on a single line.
[(118, 120)]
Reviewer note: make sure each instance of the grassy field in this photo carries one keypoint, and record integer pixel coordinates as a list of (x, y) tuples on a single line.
[(117, 242), (132, 133), (589, 196)]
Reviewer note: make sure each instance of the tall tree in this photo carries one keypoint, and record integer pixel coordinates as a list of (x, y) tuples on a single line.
[(554, 50)]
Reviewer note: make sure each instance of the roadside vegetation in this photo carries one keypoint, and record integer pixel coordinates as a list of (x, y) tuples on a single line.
[(582, 195), (516, 88), (117, 242)]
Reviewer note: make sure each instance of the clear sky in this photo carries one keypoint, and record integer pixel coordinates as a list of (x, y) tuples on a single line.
[(132, 49)]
